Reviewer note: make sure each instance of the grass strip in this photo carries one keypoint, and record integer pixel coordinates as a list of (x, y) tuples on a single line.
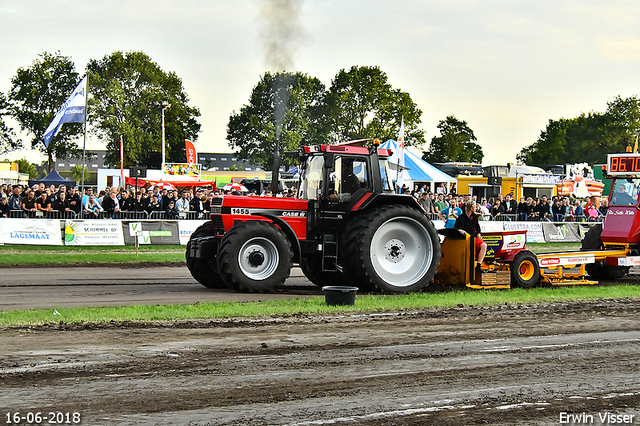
[(316, 305), (73, 255), (69, 255)]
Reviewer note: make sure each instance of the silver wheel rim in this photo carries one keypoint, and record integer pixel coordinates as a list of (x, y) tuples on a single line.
[(401, 251), (263, 247)]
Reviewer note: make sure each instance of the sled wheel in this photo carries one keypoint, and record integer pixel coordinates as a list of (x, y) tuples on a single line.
[(255, 256), (525, 270)]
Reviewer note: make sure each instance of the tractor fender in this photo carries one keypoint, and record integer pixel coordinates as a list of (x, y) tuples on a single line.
[(387, 199), (513, 254), (288, 231)]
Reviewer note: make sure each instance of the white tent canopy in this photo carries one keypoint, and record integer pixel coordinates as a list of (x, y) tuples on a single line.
[(417, 170)]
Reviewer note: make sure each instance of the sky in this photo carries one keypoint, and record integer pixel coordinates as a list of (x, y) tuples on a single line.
[(505, 67)]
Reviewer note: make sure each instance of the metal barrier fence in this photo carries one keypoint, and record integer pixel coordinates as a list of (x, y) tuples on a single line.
[(159, 215), (518, 218)]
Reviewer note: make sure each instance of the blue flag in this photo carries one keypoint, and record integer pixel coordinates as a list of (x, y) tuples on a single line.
[(72, 111)]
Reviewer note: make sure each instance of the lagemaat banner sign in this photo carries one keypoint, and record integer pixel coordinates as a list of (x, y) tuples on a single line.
[(93, 233), (41, 232)]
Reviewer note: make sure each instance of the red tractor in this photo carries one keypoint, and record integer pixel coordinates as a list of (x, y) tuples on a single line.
[(347, 226)]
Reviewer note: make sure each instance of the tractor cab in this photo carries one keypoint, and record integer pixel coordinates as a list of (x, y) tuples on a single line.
[(622, 223), (342, 175)]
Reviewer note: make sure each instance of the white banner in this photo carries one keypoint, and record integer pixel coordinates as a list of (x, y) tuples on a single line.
[(186, 228), (534, 230), (93, 233), (39, 232)]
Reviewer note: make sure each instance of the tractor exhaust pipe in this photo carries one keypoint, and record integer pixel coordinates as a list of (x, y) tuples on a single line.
[(275, 173)]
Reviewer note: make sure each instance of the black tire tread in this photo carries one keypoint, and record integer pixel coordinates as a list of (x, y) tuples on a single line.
[(366, 224), (201, 269), (235, 237)]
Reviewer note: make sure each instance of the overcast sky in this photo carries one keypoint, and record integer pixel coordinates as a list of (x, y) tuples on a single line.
[(505, 67)]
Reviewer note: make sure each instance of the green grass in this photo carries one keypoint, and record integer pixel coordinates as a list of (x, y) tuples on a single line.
[(316, 305), (39, 255), (553, 247), (69, 255)]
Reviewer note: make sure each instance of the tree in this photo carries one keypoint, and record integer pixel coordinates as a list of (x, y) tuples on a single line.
[(251, 132), (24, 166), (586, 138), (455, 143), (8, 141), (36, 95), (362, 104), (126, 93), (76, 172)]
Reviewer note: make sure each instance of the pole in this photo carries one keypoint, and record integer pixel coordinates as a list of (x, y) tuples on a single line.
[(163, 155), (84, 143)]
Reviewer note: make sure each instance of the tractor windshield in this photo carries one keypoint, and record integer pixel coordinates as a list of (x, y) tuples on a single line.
[(311, 178), (624, 192)]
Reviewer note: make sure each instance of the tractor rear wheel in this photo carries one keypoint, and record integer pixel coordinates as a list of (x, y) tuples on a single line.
[(255, 256), (394, 249), (599, 270), (205, 269), (525, 270)]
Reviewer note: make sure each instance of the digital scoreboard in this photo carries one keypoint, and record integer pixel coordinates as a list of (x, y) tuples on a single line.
[(623, 164)]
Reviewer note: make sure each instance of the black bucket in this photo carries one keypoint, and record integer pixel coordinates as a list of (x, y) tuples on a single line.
[(336, 295)]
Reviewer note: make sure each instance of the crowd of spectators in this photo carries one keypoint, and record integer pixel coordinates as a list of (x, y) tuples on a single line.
[(448, 207), (114, 202), (117, 202)]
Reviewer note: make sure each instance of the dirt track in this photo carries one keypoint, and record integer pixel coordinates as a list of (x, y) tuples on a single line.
[(503, 365)]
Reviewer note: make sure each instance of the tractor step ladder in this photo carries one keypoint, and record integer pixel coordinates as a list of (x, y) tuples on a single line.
[(329, 253)]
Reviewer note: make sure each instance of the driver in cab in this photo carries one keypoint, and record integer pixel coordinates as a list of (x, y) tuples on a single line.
[(621, 197)]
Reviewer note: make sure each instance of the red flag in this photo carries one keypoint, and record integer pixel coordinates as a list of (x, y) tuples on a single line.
[(192, 156), (121, 160)]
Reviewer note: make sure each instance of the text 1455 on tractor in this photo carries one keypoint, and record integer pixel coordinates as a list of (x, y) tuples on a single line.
[(347, 226)]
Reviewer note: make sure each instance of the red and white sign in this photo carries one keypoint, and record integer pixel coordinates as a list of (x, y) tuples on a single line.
[(566, 260), (629, 261)]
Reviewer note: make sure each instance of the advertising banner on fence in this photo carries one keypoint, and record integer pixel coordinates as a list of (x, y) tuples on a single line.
[(93, 233), (186, 228), (561, 232), (151, 232), (534, 230), (39, 232)]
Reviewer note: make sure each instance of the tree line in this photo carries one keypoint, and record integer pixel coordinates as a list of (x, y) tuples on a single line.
[(127, 90)]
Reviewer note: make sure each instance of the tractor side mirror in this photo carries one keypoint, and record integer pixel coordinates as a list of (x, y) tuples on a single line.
[(329, 161)]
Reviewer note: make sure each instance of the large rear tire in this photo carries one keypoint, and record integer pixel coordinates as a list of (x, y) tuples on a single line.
[(394, 249), (205, 269), (525, 270), (255, 256), (599, 270)]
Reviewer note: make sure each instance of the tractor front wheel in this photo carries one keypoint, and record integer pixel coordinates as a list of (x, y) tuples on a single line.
[(204, 269), (255, 256), (599, 270)]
